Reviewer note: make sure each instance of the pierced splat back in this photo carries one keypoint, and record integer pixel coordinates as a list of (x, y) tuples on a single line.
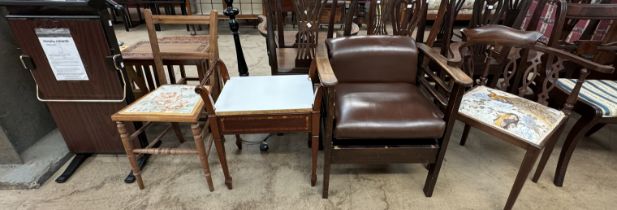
[(291, 49), (308, 15), (396, 17), (504, 12)]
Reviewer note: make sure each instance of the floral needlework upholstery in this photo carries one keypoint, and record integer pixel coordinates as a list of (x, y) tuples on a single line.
[(511, 114), (176, 99), (601, 94)]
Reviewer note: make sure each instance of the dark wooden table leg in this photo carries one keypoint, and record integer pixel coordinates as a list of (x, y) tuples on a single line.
[(314, 146), (576, 134), (220, 150), (238, 142), (73, 166)]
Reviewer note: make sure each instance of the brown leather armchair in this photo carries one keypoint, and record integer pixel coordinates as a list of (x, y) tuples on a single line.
[(383, 106)]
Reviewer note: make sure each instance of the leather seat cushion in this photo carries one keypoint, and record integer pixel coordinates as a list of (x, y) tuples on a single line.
[(385, 111), (373, 59)]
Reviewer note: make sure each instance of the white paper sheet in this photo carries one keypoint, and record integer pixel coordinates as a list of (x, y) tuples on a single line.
[(62, 54)]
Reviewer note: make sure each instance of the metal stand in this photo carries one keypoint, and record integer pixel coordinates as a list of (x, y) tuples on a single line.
[(231, 12), (73, 166)]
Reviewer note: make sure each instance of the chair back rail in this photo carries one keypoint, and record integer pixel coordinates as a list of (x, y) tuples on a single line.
[(347, 21), (158, 56), (589, 31), (403, 16), (488, 12), (307, 19)]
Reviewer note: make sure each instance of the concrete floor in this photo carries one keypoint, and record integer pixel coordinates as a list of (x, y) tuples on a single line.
[(476, 176)]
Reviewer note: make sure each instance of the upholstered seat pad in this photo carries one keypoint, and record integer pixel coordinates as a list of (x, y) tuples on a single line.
[(510, 114), (599, 93), (385, 110), (168, 103)]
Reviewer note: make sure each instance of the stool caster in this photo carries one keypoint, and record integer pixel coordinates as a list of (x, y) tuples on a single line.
[(264, 146)]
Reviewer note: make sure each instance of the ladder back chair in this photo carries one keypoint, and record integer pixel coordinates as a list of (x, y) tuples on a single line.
[(411, 120), (522, 117), (597, 102), (180, 52), (175, 103)]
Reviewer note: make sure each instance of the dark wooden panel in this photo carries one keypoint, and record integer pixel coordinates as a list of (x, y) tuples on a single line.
[(92, 45), (382, 155), (87, 127), (265, 124)]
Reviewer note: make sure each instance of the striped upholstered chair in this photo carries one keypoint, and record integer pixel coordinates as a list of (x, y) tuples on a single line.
[(590, 31)]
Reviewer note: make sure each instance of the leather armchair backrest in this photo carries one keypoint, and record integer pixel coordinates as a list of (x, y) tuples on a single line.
[(373, 58)]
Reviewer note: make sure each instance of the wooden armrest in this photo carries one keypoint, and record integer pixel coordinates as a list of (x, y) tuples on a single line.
[(456, 73), (262, 27), (324, 69)]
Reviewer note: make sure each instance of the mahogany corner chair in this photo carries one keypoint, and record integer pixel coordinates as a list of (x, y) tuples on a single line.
[(518, 113)]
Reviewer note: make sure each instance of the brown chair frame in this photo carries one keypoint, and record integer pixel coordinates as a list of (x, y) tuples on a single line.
[(158, 56), (199, 132), (445, 91), (543, 73)]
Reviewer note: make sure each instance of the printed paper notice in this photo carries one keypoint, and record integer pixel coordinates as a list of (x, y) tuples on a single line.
[(62, 54)]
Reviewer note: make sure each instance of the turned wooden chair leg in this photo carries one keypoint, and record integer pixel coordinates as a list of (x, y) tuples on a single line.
[(546, 154), (220, 150), (238, 141), (203, 156), (521, 177), (577, 132), (465, 135), (178, 132), (128, 148)]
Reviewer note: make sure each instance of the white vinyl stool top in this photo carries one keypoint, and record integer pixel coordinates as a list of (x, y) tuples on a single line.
[(266, 95)]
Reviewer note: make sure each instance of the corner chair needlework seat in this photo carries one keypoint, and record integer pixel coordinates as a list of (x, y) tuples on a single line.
[(511, 114)]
